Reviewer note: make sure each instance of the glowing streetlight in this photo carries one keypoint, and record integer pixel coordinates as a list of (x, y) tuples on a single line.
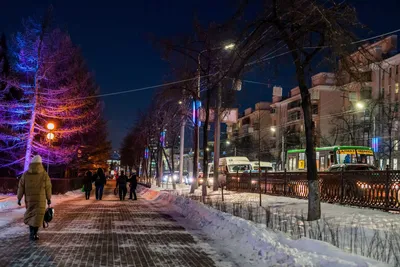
[(51, 126), (273, 129), (228, 142), (360, 105), (229, 46), (208, 149), (50, 136), (180, 102)]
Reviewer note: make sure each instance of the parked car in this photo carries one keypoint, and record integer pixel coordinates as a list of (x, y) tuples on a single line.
[(352, 167)]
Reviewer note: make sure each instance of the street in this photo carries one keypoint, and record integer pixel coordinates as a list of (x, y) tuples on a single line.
[(106, 233)]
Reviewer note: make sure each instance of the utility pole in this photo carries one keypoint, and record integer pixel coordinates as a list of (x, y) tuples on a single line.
[(182, 147), (283, 151), (217, 133)]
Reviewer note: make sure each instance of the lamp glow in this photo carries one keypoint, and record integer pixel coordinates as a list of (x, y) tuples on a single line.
[(50, 126), (50, 136)]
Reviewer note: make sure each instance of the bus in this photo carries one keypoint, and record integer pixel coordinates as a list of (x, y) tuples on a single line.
[(265, 166), (327, 156)]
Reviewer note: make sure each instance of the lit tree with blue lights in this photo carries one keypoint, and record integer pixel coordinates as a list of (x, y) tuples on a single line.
[(56, 87)]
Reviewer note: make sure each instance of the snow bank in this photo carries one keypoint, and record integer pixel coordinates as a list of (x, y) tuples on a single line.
[(251, 245), (10, 211)]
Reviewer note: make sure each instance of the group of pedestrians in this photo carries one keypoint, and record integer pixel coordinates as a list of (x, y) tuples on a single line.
[(122, 182), (99, 180)]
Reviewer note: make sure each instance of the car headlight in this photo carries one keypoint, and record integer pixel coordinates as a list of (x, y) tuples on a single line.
[(175, 177)]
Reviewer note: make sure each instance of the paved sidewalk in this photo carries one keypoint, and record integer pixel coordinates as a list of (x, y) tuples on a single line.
[(106, 233)]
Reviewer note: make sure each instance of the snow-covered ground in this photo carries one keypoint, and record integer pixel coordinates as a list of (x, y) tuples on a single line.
[(250, 244), (10, 211), (367, 232)]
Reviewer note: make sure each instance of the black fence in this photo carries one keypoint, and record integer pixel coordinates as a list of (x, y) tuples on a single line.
[(373, 189), (59, 185)]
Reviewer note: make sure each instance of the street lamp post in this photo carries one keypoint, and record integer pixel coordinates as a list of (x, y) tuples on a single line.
[(217, 116), (50, 137)]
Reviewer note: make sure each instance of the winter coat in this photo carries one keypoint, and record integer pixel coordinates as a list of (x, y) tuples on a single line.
[(35, 184), (133, 181), (99, 180), (87, 183), (122, 180)]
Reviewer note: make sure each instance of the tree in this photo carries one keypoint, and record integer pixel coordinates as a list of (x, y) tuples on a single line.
[(55, 86), (311, 30)]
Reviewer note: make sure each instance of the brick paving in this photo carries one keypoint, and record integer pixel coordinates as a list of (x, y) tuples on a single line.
[(107, 233)]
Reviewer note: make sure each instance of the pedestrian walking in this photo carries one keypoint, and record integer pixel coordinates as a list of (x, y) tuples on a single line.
[(121, 184), (99, 182), (132, 184), (35, 186), (87, 184)]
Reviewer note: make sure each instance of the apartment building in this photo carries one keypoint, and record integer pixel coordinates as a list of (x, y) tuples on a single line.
[(252, 134), (377, 89)]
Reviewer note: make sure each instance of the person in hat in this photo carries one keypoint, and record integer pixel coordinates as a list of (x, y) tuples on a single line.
[(35, 185)]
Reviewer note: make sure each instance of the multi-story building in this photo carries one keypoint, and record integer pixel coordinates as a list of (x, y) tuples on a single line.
[(251, 136), (377, 89), (361, 108), (287, 115)]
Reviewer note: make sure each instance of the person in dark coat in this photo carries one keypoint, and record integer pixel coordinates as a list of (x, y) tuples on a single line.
[(99, 181), (87, 184), (35, 186), (121, 184), (133, 185)]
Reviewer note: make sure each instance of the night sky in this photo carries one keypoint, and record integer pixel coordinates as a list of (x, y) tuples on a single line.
[(113, 36)]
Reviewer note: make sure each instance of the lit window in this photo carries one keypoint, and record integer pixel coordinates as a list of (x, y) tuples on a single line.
[(396, 145), (397, 88), (395, 164)]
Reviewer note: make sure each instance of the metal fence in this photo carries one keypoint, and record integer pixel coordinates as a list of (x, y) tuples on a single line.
[(59, 185), (373, 189)]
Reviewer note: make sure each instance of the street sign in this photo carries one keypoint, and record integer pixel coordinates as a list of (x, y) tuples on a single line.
[(227, 115)]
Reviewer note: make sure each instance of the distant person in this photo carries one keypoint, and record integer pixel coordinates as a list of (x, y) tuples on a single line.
[(121, 184), (35, 185), (87, 184), (132, 184), (99, 182)]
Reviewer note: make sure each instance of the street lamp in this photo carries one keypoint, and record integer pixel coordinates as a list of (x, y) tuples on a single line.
[(217, 132), (273, 129), (50, 136), (228, 142), (360, 105), (51, 126)]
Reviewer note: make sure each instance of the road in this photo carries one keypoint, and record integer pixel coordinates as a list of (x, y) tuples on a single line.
[(107, 233)]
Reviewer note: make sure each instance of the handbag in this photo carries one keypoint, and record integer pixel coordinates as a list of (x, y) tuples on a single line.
[(48, 216)]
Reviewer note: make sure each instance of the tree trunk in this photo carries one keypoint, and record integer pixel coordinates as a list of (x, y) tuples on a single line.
[(31, 135), (172, 168), (314, 205), (194, 185), (205, 144)]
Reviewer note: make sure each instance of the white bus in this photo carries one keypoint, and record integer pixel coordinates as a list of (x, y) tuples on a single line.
[(265, 166)]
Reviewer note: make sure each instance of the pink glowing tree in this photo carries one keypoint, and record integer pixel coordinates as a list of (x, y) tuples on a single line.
[(56, 87)]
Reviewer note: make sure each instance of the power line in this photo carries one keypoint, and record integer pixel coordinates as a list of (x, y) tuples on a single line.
[(315, 47), (141, 89)]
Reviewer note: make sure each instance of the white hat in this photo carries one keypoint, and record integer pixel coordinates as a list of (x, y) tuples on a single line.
[(36, 159)]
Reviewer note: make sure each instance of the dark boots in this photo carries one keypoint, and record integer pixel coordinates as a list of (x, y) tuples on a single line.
[(33, 233)]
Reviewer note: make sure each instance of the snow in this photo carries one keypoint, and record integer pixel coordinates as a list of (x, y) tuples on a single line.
[(250, 244), (10, 211)]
